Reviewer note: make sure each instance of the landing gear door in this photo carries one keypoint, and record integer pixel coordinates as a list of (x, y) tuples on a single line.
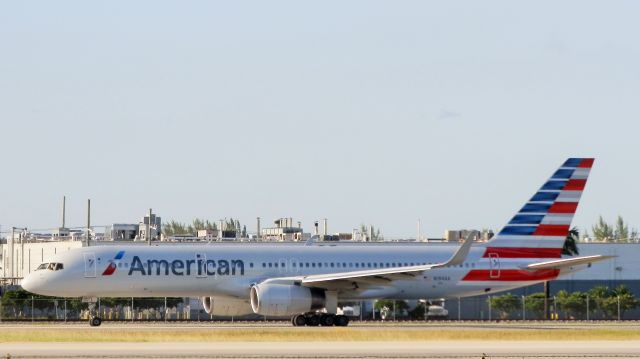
[(89, 265), (494, 265)]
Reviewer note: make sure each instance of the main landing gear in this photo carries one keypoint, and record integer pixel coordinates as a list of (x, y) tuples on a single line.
[(325, 320)]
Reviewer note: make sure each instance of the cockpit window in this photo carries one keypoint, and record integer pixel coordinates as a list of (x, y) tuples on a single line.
[(51, 266), (42, 266)]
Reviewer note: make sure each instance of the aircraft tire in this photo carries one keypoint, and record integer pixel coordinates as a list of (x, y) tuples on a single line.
[(299, 320), (342, 320), (327, 320), (95, 321), (312, 320)]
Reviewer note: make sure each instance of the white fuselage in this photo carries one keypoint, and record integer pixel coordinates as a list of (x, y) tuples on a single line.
[(231, 269)]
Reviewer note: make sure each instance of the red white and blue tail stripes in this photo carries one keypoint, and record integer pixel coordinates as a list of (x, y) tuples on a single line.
[(539, 229)]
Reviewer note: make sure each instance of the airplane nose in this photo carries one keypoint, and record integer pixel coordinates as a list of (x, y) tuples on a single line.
[(32, 283), (27, 283)]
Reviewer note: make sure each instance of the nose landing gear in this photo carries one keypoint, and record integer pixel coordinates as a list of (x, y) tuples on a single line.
[(314, 320), (94, 319)]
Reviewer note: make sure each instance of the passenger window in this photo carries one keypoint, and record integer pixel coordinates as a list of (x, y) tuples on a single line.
[(270, 265), (313, 265), (344, 265), (276, 265), (293, 264), (332, 264), (306, 264), (357, 265), (369, 265), (320, 265), (251, 265)]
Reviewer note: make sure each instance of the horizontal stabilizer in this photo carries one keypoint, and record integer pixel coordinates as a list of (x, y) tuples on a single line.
[(568, 262)]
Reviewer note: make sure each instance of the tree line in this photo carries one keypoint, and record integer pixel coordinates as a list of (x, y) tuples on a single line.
[(601, 302), (173, 227), (617, 232)]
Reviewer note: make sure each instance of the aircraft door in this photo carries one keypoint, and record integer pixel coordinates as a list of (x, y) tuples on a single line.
[(494, 265), (89, 265), (201, 265)]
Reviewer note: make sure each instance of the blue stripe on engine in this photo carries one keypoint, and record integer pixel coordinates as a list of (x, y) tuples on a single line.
[(527, 219), (554, 185), (562, 174), (535, 208), (572, 162), (545, 197), (518, 230)]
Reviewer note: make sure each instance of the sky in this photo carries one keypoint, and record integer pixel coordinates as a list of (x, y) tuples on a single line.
[(376, 112)]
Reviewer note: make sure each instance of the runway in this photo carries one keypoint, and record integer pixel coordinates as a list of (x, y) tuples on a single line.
[(344, 347), (453, 349)]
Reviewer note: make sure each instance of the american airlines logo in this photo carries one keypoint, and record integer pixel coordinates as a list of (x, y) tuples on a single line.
[(199, 266), (113, 264)]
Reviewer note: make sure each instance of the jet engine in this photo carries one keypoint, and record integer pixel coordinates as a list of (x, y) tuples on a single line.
[(225, 306), (285, 299)]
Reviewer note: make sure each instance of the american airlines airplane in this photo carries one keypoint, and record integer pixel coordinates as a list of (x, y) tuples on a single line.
[(307, 282)]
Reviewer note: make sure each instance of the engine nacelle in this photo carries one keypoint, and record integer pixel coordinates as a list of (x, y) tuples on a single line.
[(225, 306), (285, 299)]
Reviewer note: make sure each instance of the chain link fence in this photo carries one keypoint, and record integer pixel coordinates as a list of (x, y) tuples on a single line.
[(493, 308)]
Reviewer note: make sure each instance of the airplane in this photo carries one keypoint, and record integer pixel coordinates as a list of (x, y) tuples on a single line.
[(306, 282)]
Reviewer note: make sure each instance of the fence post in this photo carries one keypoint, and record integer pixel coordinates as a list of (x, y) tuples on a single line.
[(165, 309), (32, 309), (99, 308), (587, 307), (459, 310), (619, 316), (489, 308), (555, 308), (524, 311), (394, 309), (65, 310), (132, 311), (425, 310), (361, 310)]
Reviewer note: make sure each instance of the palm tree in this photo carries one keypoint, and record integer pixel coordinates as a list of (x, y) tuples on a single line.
[(570, 247)]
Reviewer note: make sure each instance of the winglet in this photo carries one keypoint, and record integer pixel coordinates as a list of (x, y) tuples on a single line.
[(461, 254), (311, 240)]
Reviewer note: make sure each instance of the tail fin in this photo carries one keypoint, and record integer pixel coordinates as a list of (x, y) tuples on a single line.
[(540, 228)]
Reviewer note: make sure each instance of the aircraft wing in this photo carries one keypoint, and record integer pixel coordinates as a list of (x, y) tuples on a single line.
[(380, 275), (567, 262)]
